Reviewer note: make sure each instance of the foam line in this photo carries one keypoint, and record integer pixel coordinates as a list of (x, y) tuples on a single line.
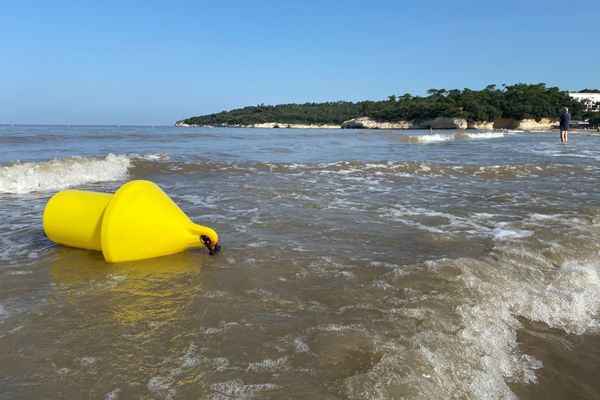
[(62, 173)]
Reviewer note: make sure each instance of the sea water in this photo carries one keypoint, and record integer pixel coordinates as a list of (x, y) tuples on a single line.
[(359, 264)]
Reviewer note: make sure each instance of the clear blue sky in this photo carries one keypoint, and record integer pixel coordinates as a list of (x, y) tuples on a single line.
[(153, 62)]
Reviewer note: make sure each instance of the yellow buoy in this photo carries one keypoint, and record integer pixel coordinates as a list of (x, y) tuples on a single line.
[(139, 221)]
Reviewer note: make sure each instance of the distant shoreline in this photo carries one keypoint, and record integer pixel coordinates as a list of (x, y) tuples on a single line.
[(552, 129), (440, 123), (518, 107)]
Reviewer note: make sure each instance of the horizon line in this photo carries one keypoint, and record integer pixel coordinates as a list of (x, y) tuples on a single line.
[(95, 125)]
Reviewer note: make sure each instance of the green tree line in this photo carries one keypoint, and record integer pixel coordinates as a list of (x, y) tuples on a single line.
[(517, 101)]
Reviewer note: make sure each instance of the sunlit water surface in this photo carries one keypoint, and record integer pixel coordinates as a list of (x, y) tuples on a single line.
[(355, 264)]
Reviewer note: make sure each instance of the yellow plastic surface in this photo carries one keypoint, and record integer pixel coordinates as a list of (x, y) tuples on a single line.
[(74, 218), (139, 221), (142, 222)]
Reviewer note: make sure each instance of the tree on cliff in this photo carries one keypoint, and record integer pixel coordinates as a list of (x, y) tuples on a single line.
[(536, 101)]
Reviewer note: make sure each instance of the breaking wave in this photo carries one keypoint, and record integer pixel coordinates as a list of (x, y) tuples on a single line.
[(444, 137), (27, 177), (42, 176), (465, 343), (377, 168)]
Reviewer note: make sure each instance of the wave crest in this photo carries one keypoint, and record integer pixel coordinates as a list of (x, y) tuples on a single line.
[(444, 137), (464, 342), (20, 178)]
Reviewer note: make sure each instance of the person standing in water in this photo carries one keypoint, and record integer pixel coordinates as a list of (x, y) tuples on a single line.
[(565, 120)]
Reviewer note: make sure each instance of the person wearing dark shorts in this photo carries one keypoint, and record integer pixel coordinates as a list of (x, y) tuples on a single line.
[(565, 121)]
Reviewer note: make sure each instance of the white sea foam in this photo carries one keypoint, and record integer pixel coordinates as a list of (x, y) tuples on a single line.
[(472, 351), (482, 224), (444, 137), (268, 364), (162, 386), (448, 222), (85, 361), (221, 364), (165, 385), (62, 173), (484, 135), (152, 156), (436, 137), (236, 389), (203, 201), (300, 346), (570, 300), (113, 395), (502, 233)]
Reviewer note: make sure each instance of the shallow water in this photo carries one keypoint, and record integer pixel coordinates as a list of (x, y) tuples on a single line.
[(355, 264)]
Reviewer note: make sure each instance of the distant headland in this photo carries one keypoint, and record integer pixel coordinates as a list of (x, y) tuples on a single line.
[(520, 106)]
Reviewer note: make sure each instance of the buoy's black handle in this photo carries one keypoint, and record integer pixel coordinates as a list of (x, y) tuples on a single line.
[(212, 250)]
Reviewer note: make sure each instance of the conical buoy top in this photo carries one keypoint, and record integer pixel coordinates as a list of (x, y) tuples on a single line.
[(141, 221)]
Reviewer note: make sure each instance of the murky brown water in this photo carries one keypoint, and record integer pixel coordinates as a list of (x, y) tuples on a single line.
[(355, 264)]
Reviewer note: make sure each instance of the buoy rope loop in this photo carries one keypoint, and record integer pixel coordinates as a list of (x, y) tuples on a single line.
[(212, 250)]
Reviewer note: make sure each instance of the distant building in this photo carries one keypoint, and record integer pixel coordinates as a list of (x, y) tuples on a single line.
[(591, 100)]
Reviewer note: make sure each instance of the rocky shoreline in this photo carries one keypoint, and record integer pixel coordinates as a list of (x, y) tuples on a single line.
[(437, 123)]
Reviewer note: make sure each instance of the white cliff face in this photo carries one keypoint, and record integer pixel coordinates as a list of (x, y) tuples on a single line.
[(292, 126), (532, 125), (264, 125), (525, 124), (452, 123), (437, 123), (368, 123)]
